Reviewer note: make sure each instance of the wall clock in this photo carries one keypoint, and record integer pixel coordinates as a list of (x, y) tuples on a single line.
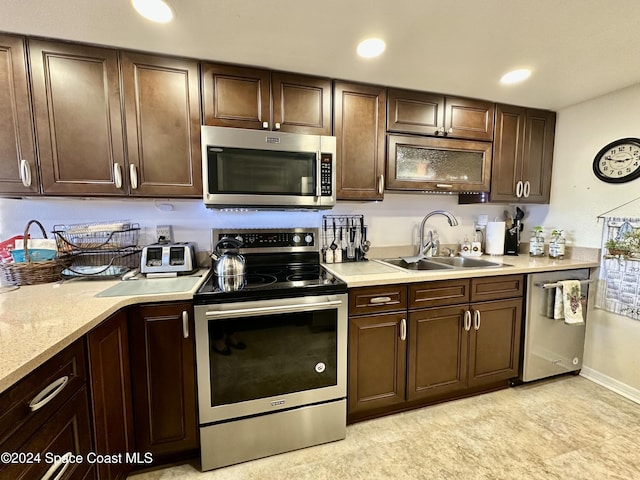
[(619, 161)]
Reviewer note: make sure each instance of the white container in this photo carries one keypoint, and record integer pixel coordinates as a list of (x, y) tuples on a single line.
[(495, 238)]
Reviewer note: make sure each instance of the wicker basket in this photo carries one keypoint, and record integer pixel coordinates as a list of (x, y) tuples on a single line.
[(33, 273)]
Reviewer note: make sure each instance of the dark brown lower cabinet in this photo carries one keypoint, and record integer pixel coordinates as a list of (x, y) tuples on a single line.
[(445, 357), (377, 360), (110, 379), (454, 338), (59, 443), (163, 377)]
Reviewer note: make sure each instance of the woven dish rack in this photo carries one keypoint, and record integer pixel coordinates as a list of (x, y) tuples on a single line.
[(31, 272), (99, 250)]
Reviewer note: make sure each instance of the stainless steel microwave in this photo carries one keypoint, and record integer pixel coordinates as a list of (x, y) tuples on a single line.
[(244, 168)]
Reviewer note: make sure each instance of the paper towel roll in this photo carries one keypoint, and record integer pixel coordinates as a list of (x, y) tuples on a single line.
[(495, 238)]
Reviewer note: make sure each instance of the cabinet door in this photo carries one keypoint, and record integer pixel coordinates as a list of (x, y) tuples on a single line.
[(507, 152), (377, 363), (438, 164), (437, 352), (494, 350), (359, 122), (415, 112), (76, 96), (110, 376), (162, 108), (235, 96), (18, 167), (301, 104), (469, 118), (538, 155), (163, 378)]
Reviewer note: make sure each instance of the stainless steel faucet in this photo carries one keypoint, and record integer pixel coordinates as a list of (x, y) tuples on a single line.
[(425, 248)]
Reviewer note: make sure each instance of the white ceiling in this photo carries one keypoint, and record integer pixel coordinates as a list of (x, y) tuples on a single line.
[(577, 49)]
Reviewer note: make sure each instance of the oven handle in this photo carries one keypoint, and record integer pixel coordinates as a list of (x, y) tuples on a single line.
[(273, 309)]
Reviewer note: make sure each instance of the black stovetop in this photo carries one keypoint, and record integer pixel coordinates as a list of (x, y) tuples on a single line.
[(268, 276)]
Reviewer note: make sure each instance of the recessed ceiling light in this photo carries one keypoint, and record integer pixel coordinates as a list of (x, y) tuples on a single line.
[(515, 76), (371, 47), (154, 10)]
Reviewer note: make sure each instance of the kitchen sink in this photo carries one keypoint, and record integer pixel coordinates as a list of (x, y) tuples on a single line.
[(419, 265), (465, 262), (443, 263)]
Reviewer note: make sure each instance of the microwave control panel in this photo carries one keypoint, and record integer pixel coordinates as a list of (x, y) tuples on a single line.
[(325, 175)]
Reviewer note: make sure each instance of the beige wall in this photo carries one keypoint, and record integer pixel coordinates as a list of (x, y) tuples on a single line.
[(577, 198)]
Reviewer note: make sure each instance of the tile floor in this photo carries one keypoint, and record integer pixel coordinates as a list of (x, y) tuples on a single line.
[(563, 428)]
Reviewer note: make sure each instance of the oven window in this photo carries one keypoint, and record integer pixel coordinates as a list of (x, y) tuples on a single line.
[(278, 354), (248, 171)]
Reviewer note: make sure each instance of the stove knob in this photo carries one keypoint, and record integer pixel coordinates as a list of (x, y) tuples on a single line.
[(308, 238), (296, 239), (239, 238)]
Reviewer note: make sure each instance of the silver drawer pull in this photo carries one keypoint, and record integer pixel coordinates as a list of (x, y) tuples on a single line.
[(48, 393), (376, 300), (444, 185), (55, 469)]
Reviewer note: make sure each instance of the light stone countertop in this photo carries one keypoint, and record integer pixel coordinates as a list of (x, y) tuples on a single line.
[(38, 321), (375, 272)]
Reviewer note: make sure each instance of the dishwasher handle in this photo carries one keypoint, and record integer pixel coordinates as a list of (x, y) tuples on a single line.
[(557, 284)]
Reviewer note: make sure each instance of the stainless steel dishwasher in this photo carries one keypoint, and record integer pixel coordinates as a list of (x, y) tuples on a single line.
[(551, 347)]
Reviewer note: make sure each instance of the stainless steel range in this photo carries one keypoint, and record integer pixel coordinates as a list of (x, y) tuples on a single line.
[(271, 350)]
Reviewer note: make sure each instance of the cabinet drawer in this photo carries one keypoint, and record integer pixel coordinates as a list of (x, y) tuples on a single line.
[(68, 431), (386, 298), (496, 288), (438, 293), (49, 386)]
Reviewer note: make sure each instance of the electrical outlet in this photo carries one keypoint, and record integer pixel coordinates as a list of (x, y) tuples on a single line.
[(164, 233)]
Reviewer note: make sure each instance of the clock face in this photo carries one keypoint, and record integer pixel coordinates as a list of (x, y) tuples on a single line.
[(619, 161)]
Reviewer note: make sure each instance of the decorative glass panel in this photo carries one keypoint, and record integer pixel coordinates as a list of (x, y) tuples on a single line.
[(429, 164)]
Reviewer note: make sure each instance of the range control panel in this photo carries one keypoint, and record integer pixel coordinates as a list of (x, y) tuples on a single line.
[(295, 239)]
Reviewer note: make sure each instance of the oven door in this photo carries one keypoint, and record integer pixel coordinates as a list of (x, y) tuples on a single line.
[(294, 354)]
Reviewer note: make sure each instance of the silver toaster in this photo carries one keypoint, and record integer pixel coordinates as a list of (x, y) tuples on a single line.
[(177, 258)]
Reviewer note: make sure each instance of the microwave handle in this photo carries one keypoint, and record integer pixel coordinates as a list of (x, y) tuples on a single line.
[(318, 174)]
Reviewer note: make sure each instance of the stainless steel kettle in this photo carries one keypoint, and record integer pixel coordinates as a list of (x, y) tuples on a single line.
[(229, 264)]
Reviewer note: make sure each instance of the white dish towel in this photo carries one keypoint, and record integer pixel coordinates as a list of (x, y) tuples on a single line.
[(568, 302)]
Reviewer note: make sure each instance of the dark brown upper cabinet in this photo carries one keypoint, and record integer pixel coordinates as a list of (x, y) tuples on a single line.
[(433, 114), (522, 155), (162, 109), (359, 122), (244, 97), (18, 164), (76, 97)]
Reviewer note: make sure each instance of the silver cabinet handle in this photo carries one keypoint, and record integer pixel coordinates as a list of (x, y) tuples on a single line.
[(376, 300), (265, 125), (25, 173), (519, 188), (476, 319), (403, 329), (117, 175), (133, 176), (381, 184), (48, 393), (450, 130), (55, 469), (467, 320), (276, 126), (444, 185), (527, 189), (185, 324)]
